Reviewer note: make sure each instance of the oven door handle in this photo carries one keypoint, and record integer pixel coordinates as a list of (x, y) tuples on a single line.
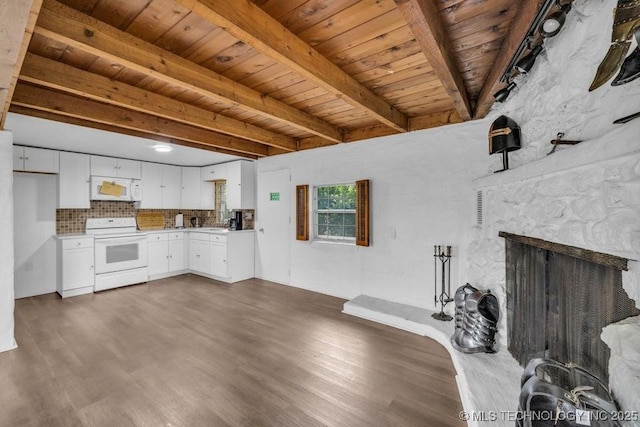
[(121, 240)]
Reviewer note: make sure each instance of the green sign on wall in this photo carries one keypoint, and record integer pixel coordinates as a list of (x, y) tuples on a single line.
[(274, 197)]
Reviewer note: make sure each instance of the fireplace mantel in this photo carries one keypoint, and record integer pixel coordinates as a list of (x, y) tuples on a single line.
[(585, 254), (615, 143)]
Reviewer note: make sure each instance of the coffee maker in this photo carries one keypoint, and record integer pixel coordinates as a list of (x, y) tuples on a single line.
[(235, 223)]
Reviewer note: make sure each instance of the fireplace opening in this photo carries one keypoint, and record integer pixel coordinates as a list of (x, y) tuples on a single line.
[(558, 300)]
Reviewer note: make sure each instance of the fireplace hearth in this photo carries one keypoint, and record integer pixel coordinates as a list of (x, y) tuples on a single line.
[(558, 300)]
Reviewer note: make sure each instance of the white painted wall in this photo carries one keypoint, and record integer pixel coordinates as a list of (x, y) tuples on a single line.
[(7, 341), (420, 186), (34, 201)]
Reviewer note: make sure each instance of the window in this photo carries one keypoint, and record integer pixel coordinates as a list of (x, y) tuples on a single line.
[(335, 212)]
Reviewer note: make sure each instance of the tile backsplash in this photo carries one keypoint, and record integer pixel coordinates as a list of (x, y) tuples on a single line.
[(74, 220)]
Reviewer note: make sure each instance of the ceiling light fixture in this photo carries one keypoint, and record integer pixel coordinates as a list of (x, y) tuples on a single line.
[(162, 148), (503, 94), (553, 24), (525, 64)]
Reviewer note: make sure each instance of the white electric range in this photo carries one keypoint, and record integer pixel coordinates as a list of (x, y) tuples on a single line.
[(120, 252)]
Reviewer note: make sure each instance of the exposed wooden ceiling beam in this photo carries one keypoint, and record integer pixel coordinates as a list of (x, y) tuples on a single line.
[(423, 17), (519, 28), (56, 75), (247, 22), (433, 120), (17, 19), (68, 105), (101, 126), (415, 123), (68, 26)]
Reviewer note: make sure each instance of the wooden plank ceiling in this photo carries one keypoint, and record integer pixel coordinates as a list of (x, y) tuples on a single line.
[(263, 77)]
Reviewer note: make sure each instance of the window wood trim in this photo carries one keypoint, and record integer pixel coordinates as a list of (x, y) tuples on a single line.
[(362, 213), (302, 212)]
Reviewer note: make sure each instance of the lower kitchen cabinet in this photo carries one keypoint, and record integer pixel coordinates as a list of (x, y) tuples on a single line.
[(218, 252), (75, 266), (166, 253), (177, 248), (230, 256), (199, 253)]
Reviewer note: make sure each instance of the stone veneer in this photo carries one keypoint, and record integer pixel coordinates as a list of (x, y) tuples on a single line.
[(593, 202)]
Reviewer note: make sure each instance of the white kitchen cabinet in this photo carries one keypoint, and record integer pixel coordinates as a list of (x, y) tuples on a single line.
[(151, 186), (171, 186), (241, 185), (177, 260), (158, 253), (117, 168), (218, 263), (74, 181), (18, 158), (30, 159), (214, 172), (166, 252), (207, 195), (209, 174), (75, 266), (231, 256), (190, 194), (199, 252), (161, 186)]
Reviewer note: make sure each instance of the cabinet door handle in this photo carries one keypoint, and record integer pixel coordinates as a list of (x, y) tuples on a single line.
[(91, 268)]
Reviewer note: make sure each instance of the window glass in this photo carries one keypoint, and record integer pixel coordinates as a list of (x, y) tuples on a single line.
[(335, 212)]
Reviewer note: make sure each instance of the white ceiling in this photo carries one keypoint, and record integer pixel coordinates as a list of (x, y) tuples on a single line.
[(38, 132)]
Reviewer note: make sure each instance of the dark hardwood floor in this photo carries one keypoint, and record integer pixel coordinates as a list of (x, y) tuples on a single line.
[(188, 351)]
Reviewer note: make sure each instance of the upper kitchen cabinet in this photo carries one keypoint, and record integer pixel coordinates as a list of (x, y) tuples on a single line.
[(241, 185), (117, 168), (191, 183), (161, 186), (74, 181), (208, 174), (214, 172), (29, 159)]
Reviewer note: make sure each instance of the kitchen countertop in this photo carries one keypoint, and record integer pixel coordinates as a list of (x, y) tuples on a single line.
[(71, 236), (209, 230)]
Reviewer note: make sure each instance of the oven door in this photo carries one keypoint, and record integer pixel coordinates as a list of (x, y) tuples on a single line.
[(120, 253)]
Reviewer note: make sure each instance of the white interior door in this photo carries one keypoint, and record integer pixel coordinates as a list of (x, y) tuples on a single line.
[(273, 225)]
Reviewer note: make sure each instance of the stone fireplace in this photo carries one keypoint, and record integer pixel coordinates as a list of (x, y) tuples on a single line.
[(559, 298), (586, 197)]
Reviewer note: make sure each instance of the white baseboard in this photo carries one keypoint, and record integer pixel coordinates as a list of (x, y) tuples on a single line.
[(11, 347)]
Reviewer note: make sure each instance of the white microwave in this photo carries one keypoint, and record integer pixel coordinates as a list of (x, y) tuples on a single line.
[(120, 189)]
